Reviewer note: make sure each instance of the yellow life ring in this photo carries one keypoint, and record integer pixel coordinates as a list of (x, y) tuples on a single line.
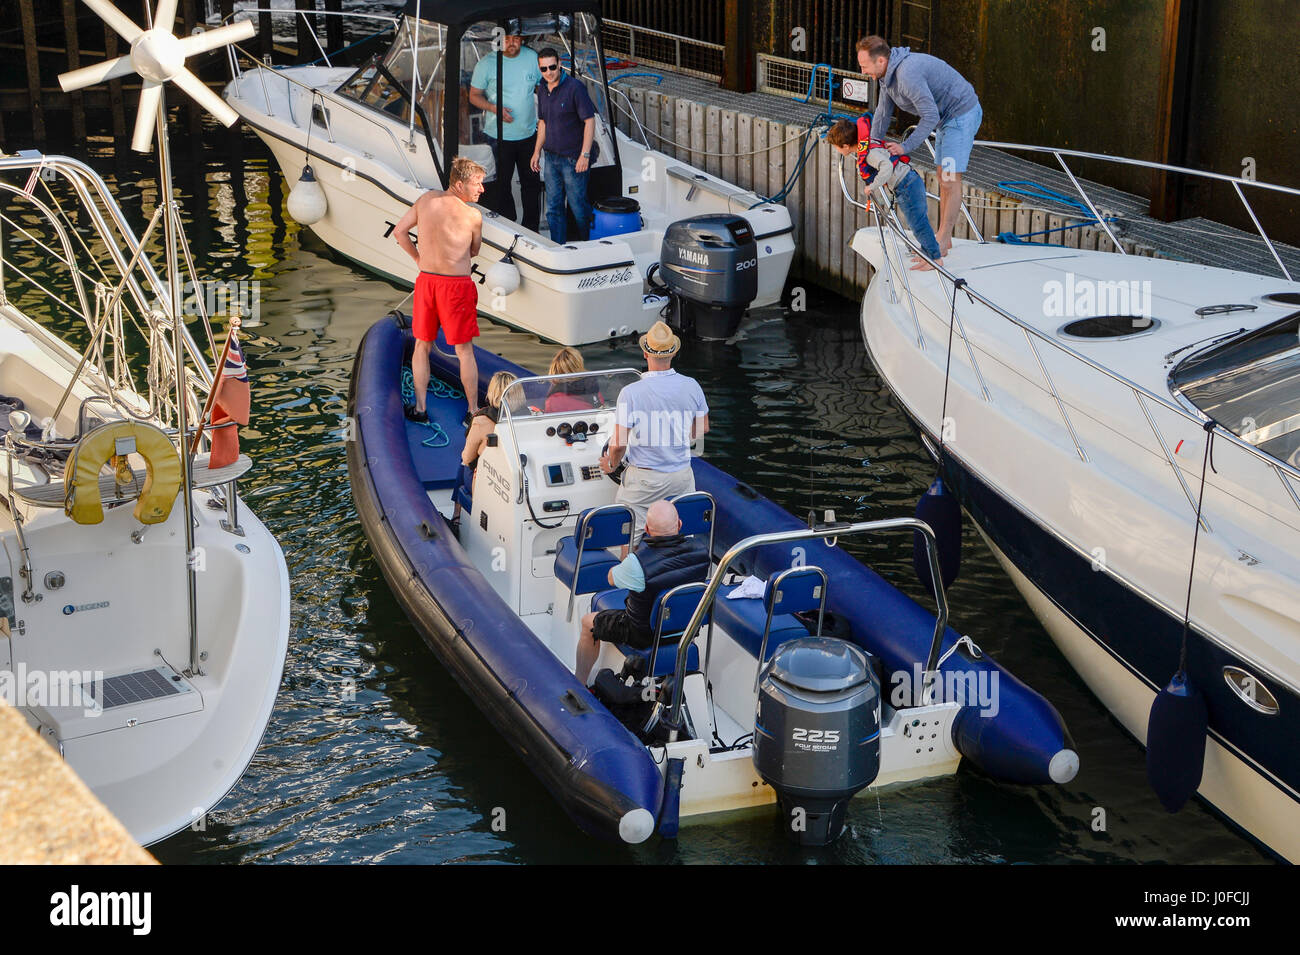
[(162, 471)]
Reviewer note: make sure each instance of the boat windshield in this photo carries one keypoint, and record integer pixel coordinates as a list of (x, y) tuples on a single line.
[(413, 61), (584, 392), (1251, 386)]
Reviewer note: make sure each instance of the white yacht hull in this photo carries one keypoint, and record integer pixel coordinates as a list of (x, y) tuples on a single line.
[(573, 294), (1082, 505), (107, 609)]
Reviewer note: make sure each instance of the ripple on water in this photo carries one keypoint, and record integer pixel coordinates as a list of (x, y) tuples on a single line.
[(374, 754)]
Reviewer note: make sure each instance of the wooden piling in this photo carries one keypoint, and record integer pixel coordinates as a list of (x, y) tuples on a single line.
[(305, 25), (712, 141), (265, 34), (758, 177), (333, 26), (74, 61), (28, 17), (697, 114), (115, 107), (190, 20)]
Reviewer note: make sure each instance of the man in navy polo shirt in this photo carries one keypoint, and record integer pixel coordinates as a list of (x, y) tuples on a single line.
[(566, 125)]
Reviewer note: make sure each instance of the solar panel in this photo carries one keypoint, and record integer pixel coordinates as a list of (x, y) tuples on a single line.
[(138, 687)]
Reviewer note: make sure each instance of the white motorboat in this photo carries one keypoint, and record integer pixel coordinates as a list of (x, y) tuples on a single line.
[(1080, 387), (144, 612), (376, 137)]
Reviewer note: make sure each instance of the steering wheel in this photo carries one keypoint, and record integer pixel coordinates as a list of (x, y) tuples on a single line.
[(615, 475)]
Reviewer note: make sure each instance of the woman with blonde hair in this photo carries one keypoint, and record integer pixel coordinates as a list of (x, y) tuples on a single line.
[(482, 423), (572, 395)]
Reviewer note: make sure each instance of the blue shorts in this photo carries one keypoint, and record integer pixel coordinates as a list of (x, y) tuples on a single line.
[(953, 140)]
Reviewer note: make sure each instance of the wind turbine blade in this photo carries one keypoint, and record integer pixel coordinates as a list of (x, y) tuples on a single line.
[(209, 100), (150, 97), (165, 17), (211, 39), (95, 73), (116, 19)]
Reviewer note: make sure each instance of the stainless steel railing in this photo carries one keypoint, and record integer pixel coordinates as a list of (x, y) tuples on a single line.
[(1035, 337), (119, 241), (362, 112), (809, 533)]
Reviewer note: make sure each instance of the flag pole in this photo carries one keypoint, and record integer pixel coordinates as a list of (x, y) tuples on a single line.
[(216, 383)]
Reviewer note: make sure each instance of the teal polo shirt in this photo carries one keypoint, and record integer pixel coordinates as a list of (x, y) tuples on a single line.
[(519, 77)]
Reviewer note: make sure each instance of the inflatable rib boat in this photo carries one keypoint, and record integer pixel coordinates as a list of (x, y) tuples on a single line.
[(858, 685)]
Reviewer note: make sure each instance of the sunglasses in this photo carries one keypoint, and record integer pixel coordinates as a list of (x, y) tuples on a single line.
[(547, 69)]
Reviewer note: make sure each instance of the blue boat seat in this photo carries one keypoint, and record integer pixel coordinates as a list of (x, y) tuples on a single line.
[(609, 600), (744, 619), (598, 528), (790, 592), (679, 614), (697, 511), (464, 491)]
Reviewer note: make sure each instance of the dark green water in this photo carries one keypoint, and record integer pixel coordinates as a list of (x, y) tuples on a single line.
[(374, 754)]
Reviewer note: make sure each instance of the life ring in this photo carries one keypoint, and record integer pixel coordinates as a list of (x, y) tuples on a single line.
[(81, 500)]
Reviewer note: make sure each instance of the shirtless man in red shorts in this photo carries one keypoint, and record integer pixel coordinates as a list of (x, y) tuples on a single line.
[(450, 231)]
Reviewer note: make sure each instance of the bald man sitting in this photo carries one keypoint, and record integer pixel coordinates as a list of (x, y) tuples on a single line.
[(663, 560)]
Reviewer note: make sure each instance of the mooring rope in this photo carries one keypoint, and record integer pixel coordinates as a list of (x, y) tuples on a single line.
[(436, 389), (1196, 535)]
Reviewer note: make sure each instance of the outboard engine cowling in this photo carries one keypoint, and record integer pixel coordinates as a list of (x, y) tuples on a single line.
[(817, 733), (709, 264)]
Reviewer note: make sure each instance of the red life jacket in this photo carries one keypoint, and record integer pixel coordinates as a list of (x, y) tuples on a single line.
[(866, 144)]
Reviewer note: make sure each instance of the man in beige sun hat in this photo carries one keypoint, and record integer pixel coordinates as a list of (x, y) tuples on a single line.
[(657, 419)]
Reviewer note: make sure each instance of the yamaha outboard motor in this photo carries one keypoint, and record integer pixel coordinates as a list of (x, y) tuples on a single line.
[(817, 733), (709, 265)]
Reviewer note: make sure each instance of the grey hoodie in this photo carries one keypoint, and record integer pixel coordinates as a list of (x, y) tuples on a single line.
[(924, 85)]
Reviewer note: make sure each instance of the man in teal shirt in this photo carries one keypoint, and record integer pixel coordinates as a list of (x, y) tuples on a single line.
[(512, 124)]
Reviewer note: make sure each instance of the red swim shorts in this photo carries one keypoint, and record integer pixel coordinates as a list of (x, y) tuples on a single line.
[(446, 301)]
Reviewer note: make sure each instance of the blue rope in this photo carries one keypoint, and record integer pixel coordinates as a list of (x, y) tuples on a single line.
[(810, 145), (657, 77), (812, 83), (1025, 187), (437, 389)]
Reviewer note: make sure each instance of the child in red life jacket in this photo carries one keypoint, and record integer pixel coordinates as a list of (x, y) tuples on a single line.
[(878, 168)]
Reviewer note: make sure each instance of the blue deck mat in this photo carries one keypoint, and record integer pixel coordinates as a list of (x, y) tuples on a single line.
[(438, 467)]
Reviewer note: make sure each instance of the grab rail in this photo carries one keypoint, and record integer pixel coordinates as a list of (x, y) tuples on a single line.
[(1142, 394), (692, 629)]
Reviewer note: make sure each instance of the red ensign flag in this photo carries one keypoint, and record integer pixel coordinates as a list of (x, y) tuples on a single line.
[(231, 404)]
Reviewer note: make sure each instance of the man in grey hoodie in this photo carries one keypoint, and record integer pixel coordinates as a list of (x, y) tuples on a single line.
[(944, 101)]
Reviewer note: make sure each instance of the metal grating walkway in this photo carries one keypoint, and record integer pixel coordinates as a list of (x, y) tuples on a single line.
[(1197, 240)]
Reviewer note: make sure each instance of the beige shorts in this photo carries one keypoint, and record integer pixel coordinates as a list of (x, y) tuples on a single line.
[(641, 487)]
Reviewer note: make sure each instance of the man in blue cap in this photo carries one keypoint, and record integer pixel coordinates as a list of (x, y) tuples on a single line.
[(513, 123)]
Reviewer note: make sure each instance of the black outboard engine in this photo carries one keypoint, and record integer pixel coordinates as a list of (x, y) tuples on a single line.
[(817, 733), (710, 267)]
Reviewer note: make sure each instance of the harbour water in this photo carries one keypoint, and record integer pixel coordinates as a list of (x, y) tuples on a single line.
[(374, 754)]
